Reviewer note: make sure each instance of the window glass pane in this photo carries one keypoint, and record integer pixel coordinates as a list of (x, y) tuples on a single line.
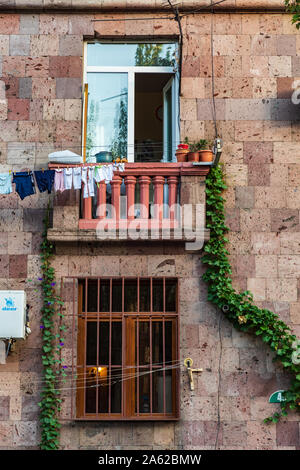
[(168, 341), (91, 343), (116, 295), (168, 133), (116, 343), (158, 392), (104, 295), (107, 115), (116, 391), (157, 288), (144, 342), (150, 54), (130, 295), (103, 342), (157, 342), (92, 295), (171, 295), (144, 391), (103, 390), (145, 295), (90, 390)]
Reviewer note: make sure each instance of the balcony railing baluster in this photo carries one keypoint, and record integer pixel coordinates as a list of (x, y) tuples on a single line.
[(153, 192)]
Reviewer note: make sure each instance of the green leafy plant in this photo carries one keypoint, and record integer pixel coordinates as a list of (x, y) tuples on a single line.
[(293, 6), (239, 308), (52, 343), (201, 144)]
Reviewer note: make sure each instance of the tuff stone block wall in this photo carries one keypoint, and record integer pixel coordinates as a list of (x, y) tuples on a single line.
[(256, 61)]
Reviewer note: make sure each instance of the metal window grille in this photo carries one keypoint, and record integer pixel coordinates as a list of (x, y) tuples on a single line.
[(126, 364)]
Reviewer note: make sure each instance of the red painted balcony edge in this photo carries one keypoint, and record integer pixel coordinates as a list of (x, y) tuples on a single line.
[(153, 169)]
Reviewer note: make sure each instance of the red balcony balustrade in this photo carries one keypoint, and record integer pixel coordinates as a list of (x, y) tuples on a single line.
[(143, 196)]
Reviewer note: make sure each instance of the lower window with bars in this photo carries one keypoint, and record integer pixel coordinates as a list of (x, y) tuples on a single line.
[(127, 354)]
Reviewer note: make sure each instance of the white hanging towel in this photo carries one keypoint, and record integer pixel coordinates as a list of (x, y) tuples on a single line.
[(68, 178), (87, 176), (108, 173), (99, 174), (77, 177), (119, 166)]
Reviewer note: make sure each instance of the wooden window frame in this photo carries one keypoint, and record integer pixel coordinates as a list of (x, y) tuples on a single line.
[(131, 321)]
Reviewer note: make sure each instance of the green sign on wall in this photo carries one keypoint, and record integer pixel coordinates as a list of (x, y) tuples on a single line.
[(277, 397)]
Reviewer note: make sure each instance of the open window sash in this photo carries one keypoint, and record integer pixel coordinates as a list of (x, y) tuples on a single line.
[(170, 124)]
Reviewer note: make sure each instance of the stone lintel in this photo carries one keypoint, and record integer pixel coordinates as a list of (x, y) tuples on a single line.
[(138, 5)]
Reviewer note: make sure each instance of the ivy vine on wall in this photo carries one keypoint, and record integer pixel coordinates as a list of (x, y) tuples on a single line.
[(239, 308), (53, 370), (293, 6)]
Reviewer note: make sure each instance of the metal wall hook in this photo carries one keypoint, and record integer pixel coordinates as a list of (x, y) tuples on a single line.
[(188, 362)]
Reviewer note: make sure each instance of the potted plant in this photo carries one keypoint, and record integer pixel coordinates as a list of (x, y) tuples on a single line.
[(193, 155), (205, 152), (182, 151)]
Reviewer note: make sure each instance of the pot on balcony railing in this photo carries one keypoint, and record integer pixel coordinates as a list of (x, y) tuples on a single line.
[(199, 151), (182, 152)]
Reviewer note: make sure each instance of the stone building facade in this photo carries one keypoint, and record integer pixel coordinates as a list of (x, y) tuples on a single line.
[(256, 58)]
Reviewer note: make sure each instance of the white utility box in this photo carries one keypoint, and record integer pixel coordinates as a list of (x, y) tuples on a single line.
[(12, 314)]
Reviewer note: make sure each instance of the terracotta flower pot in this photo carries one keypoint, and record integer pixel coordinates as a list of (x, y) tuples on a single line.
[(206, 155), (193, 156), (181, 156)]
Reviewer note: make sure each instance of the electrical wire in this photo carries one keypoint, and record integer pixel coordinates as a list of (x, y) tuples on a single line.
[(107, 380), (178, 19), (219, 384), (123, 379), (213, 72), (84, 374)]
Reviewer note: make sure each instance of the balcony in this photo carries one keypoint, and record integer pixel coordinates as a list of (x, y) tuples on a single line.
[(150, 201)]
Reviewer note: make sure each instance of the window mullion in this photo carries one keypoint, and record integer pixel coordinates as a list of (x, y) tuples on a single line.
[(123, 369), (130, 127), (164, 345), (85, 345), (109, 346), (98, 345), (138, 350)]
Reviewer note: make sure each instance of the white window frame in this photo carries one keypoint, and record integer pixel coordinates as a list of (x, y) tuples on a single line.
[(131, 71)]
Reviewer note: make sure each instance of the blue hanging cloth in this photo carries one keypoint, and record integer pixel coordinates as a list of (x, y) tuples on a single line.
[(44, 180), (24, 183)]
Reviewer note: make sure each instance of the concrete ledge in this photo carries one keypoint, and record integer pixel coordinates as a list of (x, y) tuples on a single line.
[(66, 236), (141, 5)]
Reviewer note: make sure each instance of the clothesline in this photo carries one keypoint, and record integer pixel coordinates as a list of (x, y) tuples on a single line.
[(59, 179)]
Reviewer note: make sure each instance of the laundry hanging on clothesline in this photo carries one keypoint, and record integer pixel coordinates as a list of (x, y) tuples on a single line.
[(59, 179), (86, 176)]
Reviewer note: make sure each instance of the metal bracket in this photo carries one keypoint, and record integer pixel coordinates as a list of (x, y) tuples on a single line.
[(218, 147), (188, 362)]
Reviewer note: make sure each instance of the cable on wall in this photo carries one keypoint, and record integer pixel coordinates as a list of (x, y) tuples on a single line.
[(213, 71)]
